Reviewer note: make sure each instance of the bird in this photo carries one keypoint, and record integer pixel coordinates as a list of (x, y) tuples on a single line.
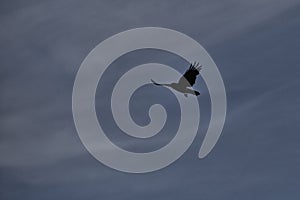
[(187, 80)]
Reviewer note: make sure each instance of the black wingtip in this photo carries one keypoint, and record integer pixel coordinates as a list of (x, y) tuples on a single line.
[(195, 65)]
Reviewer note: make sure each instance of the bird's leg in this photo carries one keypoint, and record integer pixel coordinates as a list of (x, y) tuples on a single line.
[(160, 84)]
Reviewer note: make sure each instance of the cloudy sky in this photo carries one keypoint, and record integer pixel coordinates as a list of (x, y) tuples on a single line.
[(256, 46)]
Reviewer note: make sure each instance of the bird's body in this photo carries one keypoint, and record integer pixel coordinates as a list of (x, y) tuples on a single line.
[(186, 81)]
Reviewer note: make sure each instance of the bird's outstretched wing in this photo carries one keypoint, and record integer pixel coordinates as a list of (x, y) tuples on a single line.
[(190, 75)]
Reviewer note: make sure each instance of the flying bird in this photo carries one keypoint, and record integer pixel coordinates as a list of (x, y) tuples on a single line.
[(187, 80)]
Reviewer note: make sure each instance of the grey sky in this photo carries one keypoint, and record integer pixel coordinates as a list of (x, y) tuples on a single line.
[(255, 44)]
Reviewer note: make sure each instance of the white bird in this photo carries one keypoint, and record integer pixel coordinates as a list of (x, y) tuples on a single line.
[(187, 80)]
